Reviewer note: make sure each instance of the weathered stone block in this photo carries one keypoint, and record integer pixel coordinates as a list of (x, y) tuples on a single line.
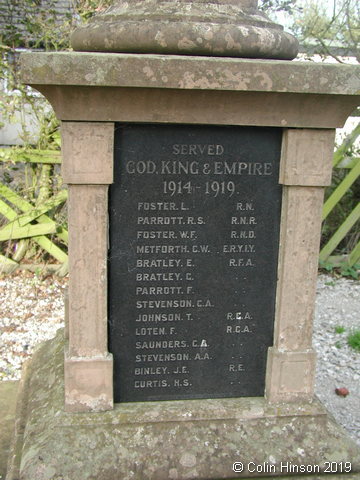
[(307, 157), (87, 152), (290, 376), (180, 440), (89, 384)]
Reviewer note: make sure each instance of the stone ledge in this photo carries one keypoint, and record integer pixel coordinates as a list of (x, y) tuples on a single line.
[(163, 440), (188, 72)]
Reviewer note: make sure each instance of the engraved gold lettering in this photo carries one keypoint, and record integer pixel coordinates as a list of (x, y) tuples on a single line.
[(242, 168), (242, 248), (202, 356), (158, 317), (162, 357), (241, 262), (167, 249), (242, 234), (188, 234), (177, 167), (157, 234), (141, 167), (170, 220), (237, 329), (161, 206), (176, 303), (243, 221), (238, 316), (161, 344), (182, 383), (244, 206), (158, 277), (158, 263), (197, 149), (171, 290), (236, 367), (141, 331), (181, 370), (150, 370), (150, 383), (199, 343), (204, 303), (200, 249)]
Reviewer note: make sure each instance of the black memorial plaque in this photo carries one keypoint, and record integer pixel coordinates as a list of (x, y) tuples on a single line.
[(194, 235)]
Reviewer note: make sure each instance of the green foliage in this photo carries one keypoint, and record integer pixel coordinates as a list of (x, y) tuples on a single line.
[(36, 189), (342, 270), (271, 6), (32, 199), (37, 23), (331, 27), (353, 272), (354, 340), (339, 329), (326, 266), (88, 8)]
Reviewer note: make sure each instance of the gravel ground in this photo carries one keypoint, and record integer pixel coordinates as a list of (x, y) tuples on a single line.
[(338, 366), (31, 311)]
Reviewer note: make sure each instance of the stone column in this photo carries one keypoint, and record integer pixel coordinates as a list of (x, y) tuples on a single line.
[(306, 163), (87, 169)]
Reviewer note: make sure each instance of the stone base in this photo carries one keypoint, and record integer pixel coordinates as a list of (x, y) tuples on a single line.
[(89, 385), (8, 392), (290, 376), (194, 439)]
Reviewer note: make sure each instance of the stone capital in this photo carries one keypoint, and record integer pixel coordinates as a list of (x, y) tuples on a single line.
[(213, 28)]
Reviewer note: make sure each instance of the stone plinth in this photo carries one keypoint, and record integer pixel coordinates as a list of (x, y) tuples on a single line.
[(180, 440), (178, 89)]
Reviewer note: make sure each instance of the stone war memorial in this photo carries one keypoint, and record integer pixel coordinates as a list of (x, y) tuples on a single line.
[(196, 154)]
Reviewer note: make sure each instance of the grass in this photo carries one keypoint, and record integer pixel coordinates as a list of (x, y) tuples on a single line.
[(339, 329), (354, 340)]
